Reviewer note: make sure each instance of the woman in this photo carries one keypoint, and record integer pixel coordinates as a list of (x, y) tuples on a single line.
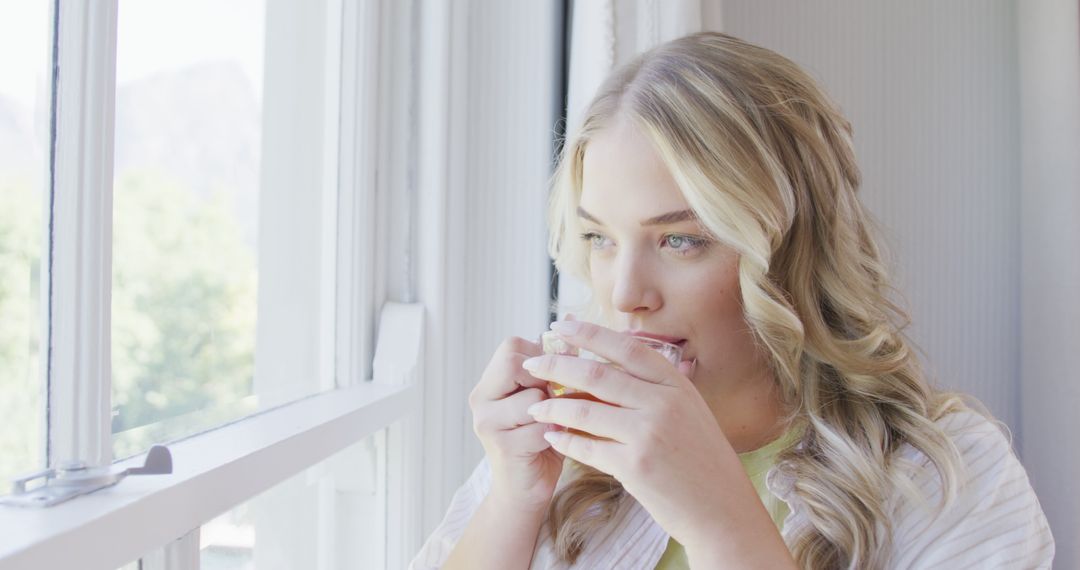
[(709, 199)]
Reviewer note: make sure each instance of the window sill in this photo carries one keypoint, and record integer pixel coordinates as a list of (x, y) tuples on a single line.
[(223, 468)]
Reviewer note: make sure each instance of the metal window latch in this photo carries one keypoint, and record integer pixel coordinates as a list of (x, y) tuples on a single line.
[(73, 478)]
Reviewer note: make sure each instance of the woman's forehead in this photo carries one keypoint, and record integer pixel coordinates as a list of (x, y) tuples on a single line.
[(633, 202)]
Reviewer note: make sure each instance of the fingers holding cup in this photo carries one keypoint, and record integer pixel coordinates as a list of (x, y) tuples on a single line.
[(572, 377)]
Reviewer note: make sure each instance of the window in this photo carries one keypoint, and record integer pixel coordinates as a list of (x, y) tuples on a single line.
[(202, 241)]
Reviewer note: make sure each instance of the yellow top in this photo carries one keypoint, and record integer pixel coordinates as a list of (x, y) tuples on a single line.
[(756, 463)]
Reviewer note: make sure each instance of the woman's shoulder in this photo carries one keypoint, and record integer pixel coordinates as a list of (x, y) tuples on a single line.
[(984, 463), (982, 446), (993, 515), (972, 433), (971, 425), (993, 520)]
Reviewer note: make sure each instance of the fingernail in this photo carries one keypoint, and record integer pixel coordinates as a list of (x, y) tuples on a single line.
[(566, 327), (531, 364), (535, 408)]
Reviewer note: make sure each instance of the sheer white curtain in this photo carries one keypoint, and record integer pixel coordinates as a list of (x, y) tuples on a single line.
[(1049, 58), (489, 98)]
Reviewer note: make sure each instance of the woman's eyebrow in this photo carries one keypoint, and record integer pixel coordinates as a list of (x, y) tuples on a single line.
[(662, 219)]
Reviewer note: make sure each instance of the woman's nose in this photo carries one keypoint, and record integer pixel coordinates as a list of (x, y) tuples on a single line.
[(635, 287)]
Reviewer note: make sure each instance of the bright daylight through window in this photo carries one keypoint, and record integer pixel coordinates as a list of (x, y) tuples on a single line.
[(185, 205), (203, 180), (25, 94)]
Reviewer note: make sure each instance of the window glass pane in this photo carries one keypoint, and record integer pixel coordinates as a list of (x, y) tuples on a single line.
[(329, 516), (25, 95), (219, 184)]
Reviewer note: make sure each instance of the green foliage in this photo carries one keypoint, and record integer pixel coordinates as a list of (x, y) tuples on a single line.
[(183, 317), (184, 309), (21, 233)]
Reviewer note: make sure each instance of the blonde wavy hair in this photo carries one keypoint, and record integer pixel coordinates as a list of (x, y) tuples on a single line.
[(766, 162)]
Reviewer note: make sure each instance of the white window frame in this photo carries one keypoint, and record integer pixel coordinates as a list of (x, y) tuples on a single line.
[(377, 387)]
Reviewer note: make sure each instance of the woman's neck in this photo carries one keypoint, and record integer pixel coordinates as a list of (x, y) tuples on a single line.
[(748, 410)]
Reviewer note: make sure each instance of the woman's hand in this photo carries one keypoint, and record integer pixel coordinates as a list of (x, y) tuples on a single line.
[(524, 467), (662, 441)]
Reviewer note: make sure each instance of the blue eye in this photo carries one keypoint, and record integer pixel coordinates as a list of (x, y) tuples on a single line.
[(684, 245), (596, 240), (676, 241)]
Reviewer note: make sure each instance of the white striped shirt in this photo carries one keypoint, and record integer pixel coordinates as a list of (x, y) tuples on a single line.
[(995, 521)]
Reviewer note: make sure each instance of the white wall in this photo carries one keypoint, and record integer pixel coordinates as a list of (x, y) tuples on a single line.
[(1049, 33)]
